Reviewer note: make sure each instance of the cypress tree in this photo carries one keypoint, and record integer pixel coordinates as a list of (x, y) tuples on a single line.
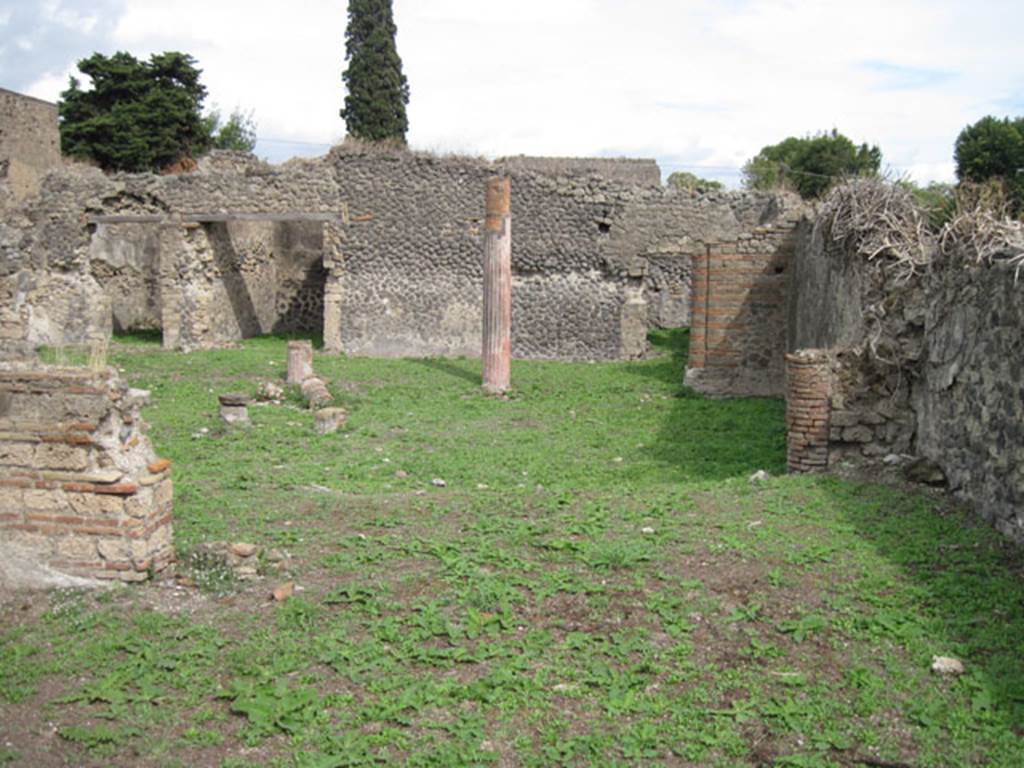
[(377, 90)]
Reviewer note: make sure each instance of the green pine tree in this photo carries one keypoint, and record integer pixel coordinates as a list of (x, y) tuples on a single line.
[(377, 90), (138, 115)]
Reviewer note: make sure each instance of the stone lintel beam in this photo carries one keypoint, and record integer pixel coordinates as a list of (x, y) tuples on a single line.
[(209, 218)]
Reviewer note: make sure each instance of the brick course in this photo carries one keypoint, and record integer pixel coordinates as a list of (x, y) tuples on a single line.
[(80, 487), (808, 389)]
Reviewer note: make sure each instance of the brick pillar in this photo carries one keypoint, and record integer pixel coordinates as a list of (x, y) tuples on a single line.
[(808, 387), (699, 311)]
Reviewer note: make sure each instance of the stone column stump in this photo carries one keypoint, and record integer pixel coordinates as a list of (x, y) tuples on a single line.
[(315, 392), (328, 420), (234, 409), (300, 361)]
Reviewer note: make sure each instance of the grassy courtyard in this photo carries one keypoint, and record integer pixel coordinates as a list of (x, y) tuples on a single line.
[(578, 574)]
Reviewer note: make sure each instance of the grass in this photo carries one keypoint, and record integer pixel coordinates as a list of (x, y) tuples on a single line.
[(596, 583)]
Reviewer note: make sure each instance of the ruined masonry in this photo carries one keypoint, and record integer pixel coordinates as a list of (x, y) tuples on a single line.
[(881, 363), (377, 250), (81, 490)]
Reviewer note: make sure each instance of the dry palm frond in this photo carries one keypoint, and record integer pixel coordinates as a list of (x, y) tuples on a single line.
[(881, 220), (983, 233)]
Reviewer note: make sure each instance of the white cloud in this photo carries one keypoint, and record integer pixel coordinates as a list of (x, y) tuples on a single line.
[(54, 11), (703, 83), (49, 86)]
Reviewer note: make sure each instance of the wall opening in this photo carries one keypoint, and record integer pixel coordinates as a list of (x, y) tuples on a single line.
[(124, 258)]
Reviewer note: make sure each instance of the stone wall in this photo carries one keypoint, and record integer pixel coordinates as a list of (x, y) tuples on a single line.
[(381, 251), (738, 317), (873, 326), (247, 278), (81, 490), (969, 405), (412, 250), (631, 171), (50, 309), (29, 143), (924, 364), (125, 260)]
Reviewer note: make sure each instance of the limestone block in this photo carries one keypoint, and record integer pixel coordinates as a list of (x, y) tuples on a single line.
[(138, 506), (60, 456), (98, 505), (40, 500), (163, 493), (77, 548), (858, 434), (234, 409), (12, 502), (29, 541), (328, 420), (161, 539), (118, 550), (16, 454)]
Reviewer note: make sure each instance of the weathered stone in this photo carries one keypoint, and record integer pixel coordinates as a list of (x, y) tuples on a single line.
[(283, 591), (924, 470), (58, 456), (243, 549), (300, 361), (327, 420), (947, 665), (233, 409), (858, 434), (158, 466), (315, 392), (268, 390), (80, 507)]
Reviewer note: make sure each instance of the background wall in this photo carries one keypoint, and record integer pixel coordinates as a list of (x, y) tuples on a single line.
[(596, 260), (740, 281), (29, 142)]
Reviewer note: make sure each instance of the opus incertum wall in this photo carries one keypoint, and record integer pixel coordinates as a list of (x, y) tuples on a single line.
[(927, 365), (379, 251)]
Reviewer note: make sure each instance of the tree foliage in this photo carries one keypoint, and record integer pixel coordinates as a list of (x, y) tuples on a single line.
[(377, 90), (993, 149), (691, 181), (138, 115), (238, 133), (810, 165), (937, 200)]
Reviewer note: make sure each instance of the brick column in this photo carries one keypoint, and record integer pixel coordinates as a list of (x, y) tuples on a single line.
[(81, 490), (808, 386), (699, 311)]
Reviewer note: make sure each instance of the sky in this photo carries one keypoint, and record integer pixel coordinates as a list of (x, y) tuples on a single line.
[(700, 85)]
